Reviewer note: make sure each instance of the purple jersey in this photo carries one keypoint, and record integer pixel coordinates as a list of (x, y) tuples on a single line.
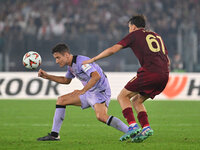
[(83, 73)]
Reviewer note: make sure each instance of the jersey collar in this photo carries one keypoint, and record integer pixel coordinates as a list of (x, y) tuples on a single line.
[(74, 59)]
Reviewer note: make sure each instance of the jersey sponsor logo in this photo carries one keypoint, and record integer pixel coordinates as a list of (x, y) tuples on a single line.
[(86, 67), (175, 86)]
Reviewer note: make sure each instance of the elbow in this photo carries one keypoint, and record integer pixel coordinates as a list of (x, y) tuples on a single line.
[(115, 48), (112, 51), (66, 81), (97, 78)]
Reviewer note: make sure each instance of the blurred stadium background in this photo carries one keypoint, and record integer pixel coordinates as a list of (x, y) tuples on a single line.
[(90, 26)]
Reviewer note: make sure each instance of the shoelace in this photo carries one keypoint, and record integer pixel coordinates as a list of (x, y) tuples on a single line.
[(131, 128), (145, 130)]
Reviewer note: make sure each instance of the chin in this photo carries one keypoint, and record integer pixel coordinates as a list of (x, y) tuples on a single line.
[(61, 65)]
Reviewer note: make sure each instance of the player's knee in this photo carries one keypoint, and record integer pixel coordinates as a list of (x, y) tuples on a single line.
[(100, 117), (121, 97), (60, 101), (134, 99), (134, 102)]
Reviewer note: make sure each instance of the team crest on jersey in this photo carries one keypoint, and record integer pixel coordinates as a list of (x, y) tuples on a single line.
[(86, 67)]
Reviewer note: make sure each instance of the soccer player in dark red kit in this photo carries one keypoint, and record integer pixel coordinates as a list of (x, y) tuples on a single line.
[(151, 77)]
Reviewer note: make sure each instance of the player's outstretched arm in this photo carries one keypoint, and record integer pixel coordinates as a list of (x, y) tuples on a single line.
[(59, 79), (107, 52)]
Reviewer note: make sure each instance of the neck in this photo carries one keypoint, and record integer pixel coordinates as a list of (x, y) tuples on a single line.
[(138, 28), (70, 59)]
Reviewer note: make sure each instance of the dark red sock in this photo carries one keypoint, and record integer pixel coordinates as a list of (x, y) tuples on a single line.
[(143, 119), (128, 114)]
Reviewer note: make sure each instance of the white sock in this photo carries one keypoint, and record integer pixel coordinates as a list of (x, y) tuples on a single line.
[(117, 124)]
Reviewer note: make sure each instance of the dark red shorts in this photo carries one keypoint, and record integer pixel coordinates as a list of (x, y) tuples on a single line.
[(148, 83)]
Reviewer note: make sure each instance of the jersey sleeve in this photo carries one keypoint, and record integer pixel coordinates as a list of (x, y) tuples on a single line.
[(88, 69), (127, 40), (69, 75)]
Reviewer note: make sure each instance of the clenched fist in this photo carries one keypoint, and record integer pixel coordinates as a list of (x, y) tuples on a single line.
[(42, 74)]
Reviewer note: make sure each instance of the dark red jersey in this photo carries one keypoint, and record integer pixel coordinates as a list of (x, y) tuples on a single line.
[(149, 48)]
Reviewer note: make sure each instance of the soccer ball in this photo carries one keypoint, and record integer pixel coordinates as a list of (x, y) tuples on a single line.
[(32, 60)]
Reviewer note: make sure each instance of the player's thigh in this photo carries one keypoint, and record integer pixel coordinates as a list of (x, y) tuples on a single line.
[(126, 94), (69, 99), (124, 98)]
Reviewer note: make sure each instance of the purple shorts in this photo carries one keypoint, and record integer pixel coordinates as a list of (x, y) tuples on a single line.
[(89, 99)]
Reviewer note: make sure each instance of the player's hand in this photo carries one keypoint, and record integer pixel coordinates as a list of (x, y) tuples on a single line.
[(42, 74), (88, 61), (77, 92)]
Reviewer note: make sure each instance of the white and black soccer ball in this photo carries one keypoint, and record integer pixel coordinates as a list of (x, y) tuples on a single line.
[(32, 60)]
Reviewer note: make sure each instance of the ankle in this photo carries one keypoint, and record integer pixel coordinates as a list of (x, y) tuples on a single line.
[(132, 124), (54, 134)]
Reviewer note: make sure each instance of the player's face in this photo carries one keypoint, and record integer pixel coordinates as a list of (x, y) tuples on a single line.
[(132, 27), (62, 58)]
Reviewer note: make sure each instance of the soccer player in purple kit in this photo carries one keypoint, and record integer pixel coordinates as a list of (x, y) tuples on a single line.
[(151, 77), (95, 93)]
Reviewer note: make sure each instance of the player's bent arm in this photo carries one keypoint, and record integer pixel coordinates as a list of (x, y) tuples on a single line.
[(95, 77), (59, 79)]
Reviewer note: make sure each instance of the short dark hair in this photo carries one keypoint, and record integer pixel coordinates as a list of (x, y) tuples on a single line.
[(138, 21), (61, 48)]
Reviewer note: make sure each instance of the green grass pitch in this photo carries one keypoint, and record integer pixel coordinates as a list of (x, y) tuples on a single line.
[(176, 126)]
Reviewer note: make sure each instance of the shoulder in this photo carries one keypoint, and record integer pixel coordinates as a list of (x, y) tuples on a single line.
[(81, 58), (86, 67), (135, 33), (69, 68), (151, 32)]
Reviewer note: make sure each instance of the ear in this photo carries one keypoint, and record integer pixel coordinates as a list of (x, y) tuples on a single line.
[(134, 27), (66, 54)]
